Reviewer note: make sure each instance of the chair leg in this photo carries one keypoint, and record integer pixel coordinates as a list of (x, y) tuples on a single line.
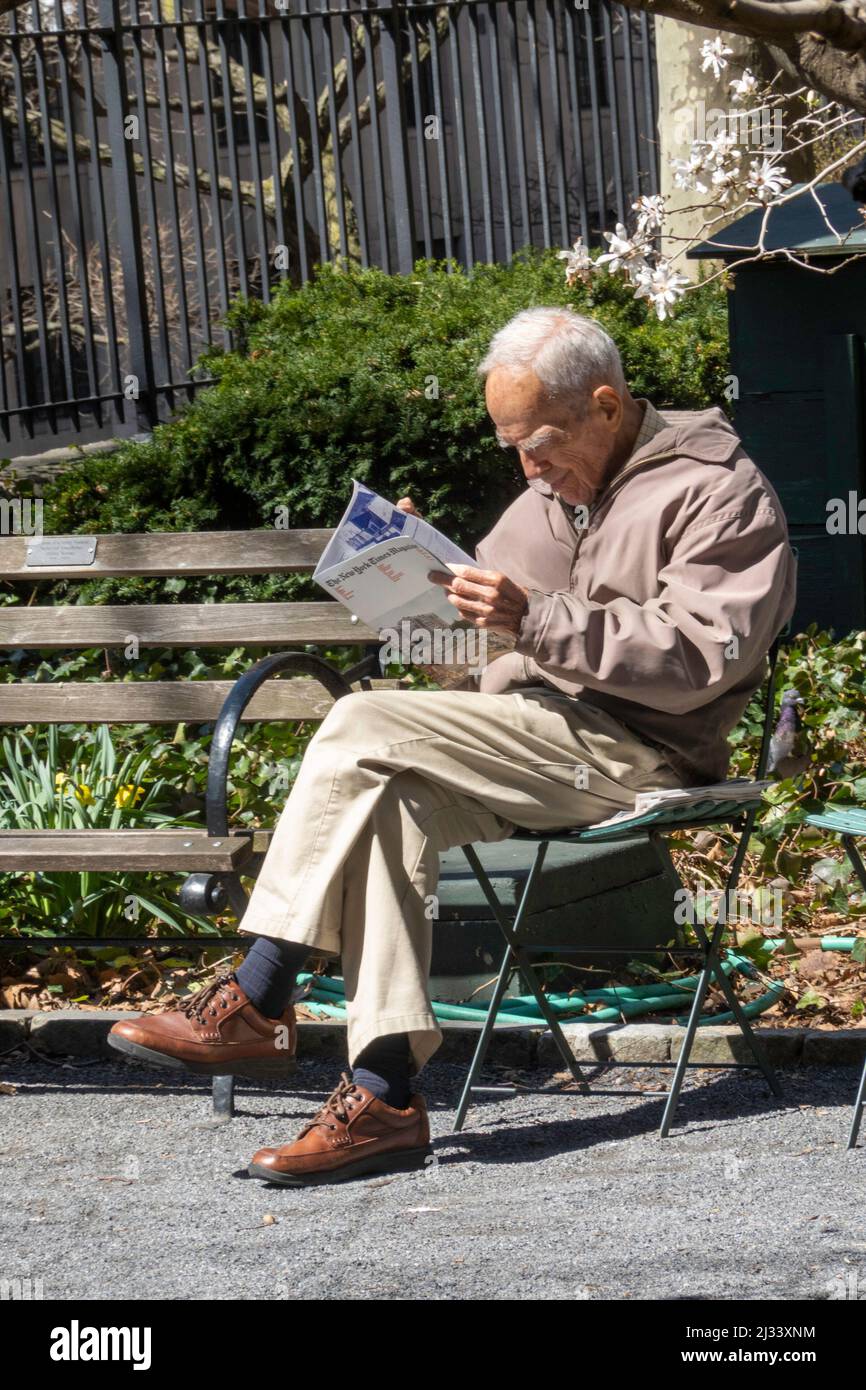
[(510, 931), (480, 1053), (854, 855), (757, 1048), (685, 1052), (553, 1023), (859, 1103), (712, 967), (860, 870)]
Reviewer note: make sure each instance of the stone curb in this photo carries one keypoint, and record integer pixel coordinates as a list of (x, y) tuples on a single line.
[(73, 1033)]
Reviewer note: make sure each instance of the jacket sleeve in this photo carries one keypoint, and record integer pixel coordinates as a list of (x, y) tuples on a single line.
[(724, 593)]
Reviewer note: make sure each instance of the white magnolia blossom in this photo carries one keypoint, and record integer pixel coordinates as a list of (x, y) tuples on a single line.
[(743, 87), (717, 161), (650, 209), (625, 253), (715, 53), (686, 172), (766, 180), (662, 286), (579, 264), (716, 153), (732, 171), (726, 182)]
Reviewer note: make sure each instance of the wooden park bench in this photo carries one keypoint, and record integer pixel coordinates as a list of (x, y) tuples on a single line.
[(214, 858)]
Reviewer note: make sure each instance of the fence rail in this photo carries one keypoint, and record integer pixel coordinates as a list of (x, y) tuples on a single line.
[(158, 159)]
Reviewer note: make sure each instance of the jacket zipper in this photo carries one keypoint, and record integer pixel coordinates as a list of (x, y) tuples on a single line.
[(605, 497)]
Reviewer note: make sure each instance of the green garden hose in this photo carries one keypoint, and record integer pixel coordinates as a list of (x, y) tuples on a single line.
[(327, 999)]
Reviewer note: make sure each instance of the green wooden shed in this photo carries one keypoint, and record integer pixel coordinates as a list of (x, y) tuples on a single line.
[(796, 337)]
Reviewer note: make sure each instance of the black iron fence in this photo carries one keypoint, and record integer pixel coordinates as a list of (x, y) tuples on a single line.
[(159, 158)]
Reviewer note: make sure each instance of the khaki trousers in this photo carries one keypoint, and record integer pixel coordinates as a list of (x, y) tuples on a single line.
[(390, 780)]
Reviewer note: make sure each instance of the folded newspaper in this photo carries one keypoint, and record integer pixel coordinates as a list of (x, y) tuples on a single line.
[(737, 791), (377, 565)]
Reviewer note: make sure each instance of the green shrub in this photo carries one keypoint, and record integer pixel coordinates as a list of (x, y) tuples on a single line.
[(367, 375)]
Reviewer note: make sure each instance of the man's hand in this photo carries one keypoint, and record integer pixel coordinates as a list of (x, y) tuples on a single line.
[(407, 505), (484, 597)]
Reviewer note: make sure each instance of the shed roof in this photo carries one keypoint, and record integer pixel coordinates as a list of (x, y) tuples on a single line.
[(797, 225)]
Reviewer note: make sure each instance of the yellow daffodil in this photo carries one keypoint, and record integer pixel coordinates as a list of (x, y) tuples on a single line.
[(128, 795), (84, 794)]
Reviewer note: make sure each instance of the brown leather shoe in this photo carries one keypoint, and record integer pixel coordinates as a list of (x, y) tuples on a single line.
[(354, 1134), (217, 1032)]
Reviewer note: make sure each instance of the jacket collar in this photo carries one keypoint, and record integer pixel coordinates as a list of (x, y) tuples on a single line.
[(706, 435), (651, 425)]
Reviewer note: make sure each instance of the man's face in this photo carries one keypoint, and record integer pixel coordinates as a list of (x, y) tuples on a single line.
[(573, 456)]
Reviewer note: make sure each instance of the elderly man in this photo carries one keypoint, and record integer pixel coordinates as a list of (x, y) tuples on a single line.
[(643, 575)]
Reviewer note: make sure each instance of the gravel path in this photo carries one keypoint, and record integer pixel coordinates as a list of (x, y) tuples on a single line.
[(115, 1185)]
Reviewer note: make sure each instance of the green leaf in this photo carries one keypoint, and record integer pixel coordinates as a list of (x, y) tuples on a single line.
[(811, 1000), (832, 872)]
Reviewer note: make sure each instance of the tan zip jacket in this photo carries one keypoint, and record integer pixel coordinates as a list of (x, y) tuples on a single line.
[(662, 608)]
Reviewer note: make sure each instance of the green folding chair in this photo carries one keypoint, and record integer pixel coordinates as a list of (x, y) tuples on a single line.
[(848, 821), (656, 825)]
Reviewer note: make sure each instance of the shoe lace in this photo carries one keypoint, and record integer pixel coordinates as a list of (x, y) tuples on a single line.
[(206, 998), (337, 1106)]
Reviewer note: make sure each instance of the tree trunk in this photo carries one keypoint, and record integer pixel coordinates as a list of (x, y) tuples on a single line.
[(687, 99)]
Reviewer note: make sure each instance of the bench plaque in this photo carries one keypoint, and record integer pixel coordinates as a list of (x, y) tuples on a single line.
[(61, 551)]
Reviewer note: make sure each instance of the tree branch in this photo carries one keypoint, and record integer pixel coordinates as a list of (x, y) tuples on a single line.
[(822, 41), (843, 22)]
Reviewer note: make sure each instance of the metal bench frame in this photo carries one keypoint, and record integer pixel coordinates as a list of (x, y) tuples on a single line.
[(516, 953), (209, 893)]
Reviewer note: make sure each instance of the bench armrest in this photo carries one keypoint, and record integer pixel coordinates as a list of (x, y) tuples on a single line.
[(210, 893), (336, 683)]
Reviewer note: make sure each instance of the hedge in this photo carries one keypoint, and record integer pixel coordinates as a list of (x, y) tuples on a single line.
[(367, 375)]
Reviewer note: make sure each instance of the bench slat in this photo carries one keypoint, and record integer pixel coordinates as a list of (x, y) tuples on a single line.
[(159, 702), (181, 625), (159, 553), (74, 850)]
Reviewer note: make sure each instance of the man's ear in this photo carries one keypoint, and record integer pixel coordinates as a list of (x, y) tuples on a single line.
[(610, 405)]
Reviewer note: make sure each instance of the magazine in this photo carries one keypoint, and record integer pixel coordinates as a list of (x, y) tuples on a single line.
[(377, 565), (378, 560), (738, 790)]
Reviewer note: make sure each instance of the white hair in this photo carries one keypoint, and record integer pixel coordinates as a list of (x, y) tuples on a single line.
[(571, 355)]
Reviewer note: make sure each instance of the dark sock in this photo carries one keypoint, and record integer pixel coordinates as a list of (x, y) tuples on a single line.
[(268, 973), (384, 1067)]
